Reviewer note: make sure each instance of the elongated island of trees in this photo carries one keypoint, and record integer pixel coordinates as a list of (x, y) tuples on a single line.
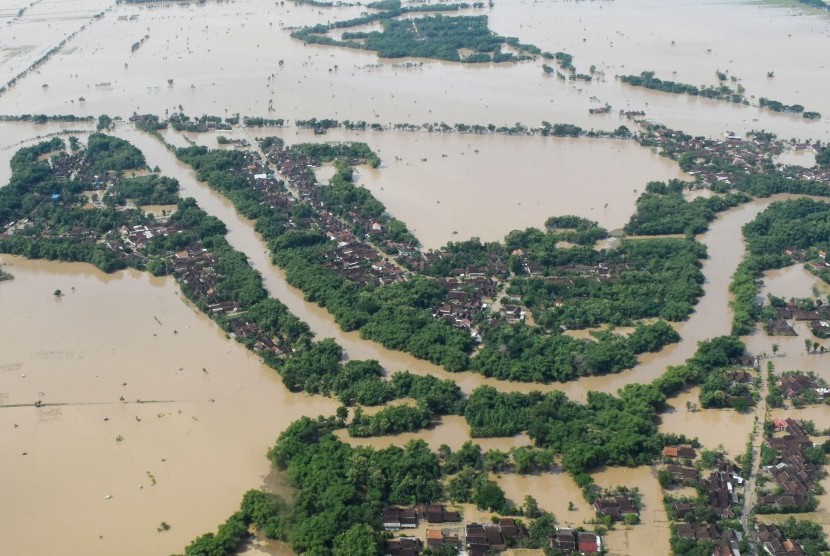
[(438, 36), (648, 80)]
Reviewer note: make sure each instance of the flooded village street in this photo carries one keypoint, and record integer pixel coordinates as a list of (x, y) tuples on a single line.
[(123, 407)]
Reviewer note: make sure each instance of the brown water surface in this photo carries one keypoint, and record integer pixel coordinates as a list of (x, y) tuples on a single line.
[(197, 414), (204, 436), (713, 427), (225, 58), (651, 535), (793, 281)]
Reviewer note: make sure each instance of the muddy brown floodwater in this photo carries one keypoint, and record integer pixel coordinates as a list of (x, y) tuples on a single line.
[(101, 474), (442, 184), (793, 281), (222, 58), (203, 437), (711, 318)]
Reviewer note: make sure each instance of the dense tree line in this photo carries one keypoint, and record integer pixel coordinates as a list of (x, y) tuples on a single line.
[(525, 353), (392, 419), (62, 249), (275, 320), (646, 278), (149, 123), (793, 224), (719, 391), (575, 229), (662, 209), (647, 80), (772, 182), (182, 122), (809, 535), (777, 106), (144, 190), (108, 153), (442, 397), (354, 152), (464, 254), (43, 118), (255, 121), (317, 368), (439, 37), (473, 486), (341, 486)]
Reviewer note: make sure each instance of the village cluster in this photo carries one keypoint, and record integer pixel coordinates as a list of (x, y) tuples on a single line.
[(719, 163), (476, 539)]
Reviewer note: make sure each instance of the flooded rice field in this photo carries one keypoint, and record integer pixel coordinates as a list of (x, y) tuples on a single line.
[(148, 413), (441, 184), (227, 57)]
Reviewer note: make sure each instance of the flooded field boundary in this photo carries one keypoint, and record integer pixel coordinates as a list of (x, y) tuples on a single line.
[(53, 50)]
